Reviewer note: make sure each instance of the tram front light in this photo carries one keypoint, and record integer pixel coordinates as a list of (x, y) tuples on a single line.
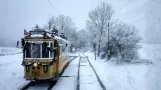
[(35, 64)]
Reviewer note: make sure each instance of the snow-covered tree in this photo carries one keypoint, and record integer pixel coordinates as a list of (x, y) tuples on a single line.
[(98, 22), (65, 25), (83, 39), (124, 38)]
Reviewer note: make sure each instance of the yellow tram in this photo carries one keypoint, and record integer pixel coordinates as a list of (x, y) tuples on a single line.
[(44, 55)]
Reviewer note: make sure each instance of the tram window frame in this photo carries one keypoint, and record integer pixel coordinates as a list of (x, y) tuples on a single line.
[(39, 50), (51, 52), (27, 50), (49, 48), (55, 45), (60, 49), (44, 50)]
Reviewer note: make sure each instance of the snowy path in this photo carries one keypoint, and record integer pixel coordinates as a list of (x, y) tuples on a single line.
[(88, 79)]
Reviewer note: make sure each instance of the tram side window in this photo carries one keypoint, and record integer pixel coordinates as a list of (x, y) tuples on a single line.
[(45, 50), (51, 52), (28, 50)]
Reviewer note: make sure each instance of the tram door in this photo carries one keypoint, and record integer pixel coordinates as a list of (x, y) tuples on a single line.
[(56, 55)]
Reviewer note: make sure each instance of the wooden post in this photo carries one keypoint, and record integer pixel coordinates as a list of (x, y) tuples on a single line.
[(95, 50), (108, 51)]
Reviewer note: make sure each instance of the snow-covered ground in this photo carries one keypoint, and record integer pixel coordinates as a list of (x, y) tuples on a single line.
[(88, 79), (11, 72), (68, 81), (114, 77), (9, 50), (131, 76)]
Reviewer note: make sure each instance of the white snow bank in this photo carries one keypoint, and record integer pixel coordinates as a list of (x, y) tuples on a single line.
[(119, 77), (9, 50), (132, 76), (152, 52)]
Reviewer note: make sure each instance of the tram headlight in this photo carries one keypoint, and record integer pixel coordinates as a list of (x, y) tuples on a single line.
[(35, 64)]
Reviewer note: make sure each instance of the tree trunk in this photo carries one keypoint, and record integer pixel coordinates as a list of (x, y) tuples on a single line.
[(98, 50), (119, 54), (71, 47)]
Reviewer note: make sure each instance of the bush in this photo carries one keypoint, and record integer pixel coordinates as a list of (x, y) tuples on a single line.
[(124, 38)]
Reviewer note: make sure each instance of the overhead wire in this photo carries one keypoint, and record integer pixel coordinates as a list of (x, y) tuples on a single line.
[(53, 7)]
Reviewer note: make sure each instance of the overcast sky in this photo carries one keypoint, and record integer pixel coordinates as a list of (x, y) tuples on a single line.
[(17, 15)]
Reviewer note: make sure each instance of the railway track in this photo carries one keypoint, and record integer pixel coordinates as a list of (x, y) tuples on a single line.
[(44, 85), (83, 62), (84, 59)]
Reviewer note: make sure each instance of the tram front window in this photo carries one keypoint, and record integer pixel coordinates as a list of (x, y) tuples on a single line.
[(45, 50), (38, 50), (35, 50)]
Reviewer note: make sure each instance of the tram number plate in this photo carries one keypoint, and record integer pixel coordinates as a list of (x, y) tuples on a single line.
[(35, 73)]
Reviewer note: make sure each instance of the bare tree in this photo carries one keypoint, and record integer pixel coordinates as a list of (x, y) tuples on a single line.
[(98, 22)]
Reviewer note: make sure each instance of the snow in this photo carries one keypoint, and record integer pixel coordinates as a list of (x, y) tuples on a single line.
[(40, 86), (59, 38), (68, 81), (9, 50), (115, 77), (74, 54), (36, 35), (152, 52), (131, 76), (88, 80), (11, 72)]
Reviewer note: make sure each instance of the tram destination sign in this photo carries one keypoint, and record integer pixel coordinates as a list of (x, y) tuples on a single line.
[(37, 32)]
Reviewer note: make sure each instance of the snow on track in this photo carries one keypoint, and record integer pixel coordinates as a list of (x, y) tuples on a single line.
[(39, 86), (68, 81), (88, 79)]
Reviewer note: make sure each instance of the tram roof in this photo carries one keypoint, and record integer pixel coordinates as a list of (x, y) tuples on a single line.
[(47, 40), (38, 35)]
